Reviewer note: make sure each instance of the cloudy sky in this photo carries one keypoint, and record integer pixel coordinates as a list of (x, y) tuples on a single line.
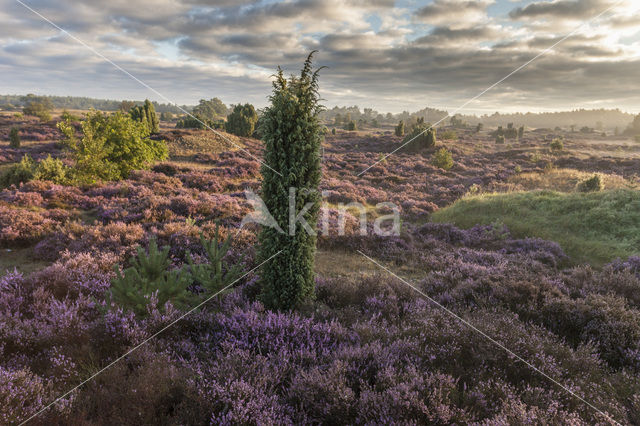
[(389, 55)]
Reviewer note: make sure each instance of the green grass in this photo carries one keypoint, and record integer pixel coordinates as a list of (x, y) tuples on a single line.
[(591, 227)]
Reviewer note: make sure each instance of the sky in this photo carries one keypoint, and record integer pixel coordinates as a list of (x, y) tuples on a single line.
[(383, 54)]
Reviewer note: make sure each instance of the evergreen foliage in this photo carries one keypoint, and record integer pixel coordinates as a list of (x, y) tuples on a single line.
[(423, 135), (242, 120), (14, 138), (593, 184), (146, 114), (149, 276), (557, 144), (499, 139), (38, 106), (210, 110), (292, 137), (213, 276), (351, 126), (18, 173), (399, 130), (442, 159)]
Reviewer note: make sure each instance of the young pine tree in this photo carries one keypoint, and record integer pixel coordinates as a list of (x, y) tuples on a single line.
[(14, 138), (292, 135)]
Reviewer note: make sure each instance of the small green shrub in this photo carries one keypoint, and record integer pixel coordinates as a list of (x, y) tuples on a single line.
[(500, 139), (351, 126), (242, 120), (14, 138), (442, 159), (41, 109), (51, 169), (333, 131), (67, 116), (148, 277), (449, 135), (518, 169), (18, 173), (213, 276), (592, 184), (557, 145)]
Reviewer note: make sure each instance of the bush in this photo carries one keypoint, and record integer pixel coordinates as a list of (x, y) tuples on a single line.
[(422, 136), (557, 145), (442, 159), (40, 108), (190, 122), (351, 126), (242, 120), (111, 147), (51, 169), (14, 138), (399, 130), (449, 135), (593, 184), (149, 277), (146, 114), (18, 172), (500, 139), (292, 139)]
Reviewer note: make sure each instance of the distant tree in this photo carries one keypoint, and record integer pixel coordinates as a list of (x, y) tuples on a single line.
[(338, 120), (400, 128), (125, 106), (189, 122), (455, 121), (634, 127), (210, 110), (374, 123), (479, 127), (146, 114), (166, 116), (242, 120), (449, 135), (292, 138), (351, 126), (38, 106), (499, 139), (14, 138), (520, 132)]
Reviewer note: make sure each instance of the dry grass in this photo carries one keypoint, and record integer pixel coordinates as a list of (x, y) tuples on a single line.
[(202, 142), (565, 180)]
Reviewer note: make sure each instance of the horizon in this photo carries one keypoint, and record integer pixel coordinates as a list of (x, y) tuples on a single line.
[(392, 56)]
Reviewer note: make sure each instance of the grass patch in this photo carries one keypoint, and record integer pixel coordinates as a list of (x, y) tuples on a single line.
[(19, 259), (566, 180), (591, 227)]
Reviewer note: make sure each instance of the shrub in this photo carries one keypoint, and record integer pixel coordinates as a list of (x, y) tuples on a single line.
[(557, 145), (333, 131), (210, 110), (51, 169), (500, 139), (449, 135), (148, 278), (190, 122), (292, 141), (399, 130), (14, 138), (422, 136), (520, 132), (242, 120), (111, 147), (38, 107), (351, 126), (442, 159), (592, 184), (146, 114), (18, 172)]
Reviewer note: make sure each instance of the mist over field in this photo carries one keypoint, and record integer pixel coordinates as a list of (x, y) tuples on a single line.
[(320, 212)]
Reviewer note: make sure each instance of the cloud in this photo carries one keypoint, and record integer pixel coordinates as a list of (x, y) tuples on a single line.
[(380, 55)]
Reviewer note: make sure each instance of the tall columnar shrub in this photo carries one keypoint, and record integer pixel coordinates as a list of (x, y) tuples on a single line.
[(14, 138), (242, 120), (292, 137), (146, 114), (400, 128)]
